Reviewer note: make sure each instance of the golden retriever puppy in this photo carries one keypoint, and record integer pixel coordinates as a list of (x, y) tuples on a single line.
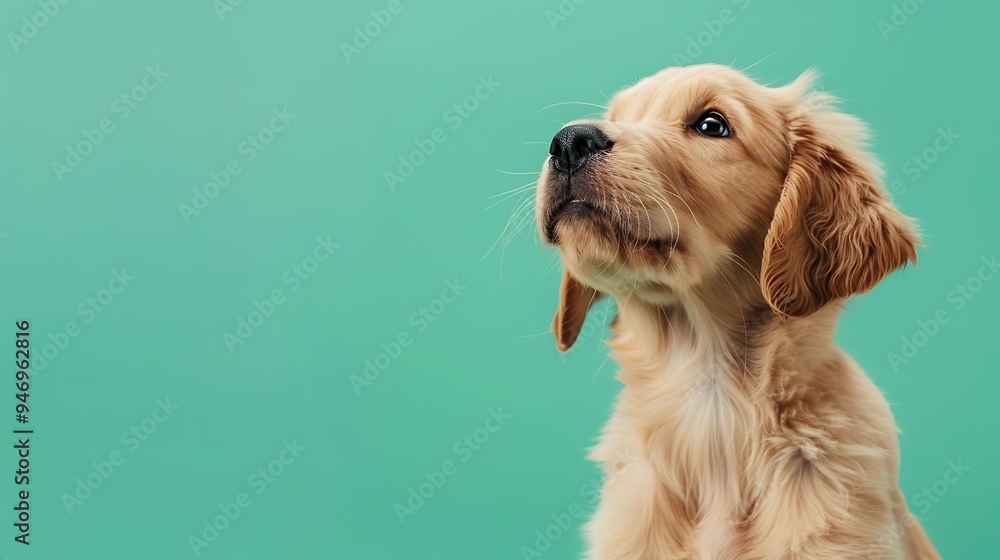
[(730, 221)]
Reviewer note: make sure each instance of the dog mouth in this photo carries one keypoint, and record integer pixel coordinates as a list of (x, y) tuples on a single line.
[(575, 208), (570, 208)]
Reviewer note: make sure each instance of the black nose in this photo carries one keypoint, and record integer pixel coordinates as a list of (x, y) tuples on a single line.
[(573, 146)]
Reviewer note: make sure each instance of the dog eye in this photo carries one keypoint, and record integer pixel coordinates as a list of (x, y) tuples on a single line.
[(712, 124)]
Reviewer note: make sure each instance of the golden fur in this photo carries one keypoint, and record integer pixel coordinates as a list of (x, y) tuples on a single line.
[(751, 435)]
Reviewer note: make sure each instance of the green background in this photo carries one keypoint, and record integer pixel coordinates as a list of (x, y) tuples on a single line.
[(323, 176)]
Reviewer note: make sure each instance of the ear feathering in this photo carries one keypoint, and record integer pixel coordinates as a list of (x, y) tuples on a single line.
[(834, 232)]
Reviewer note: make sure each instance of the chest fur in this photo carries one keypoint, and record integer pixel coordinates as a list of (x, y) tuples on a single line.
[(695, 427)]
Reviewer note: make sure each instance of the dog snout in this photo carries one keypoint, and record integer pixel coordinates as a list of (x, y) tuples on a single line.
[(572, 146)]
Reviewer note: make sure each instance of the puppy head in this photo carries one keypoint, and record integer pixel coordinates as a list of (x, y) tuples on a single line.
[(698, 178)]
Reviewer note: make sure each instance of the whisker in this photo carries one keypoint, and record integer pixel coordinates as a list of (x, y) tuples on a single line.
[(763, 59), (659, 198), (604, 322), (508, 197), (746, 268), (618, 245), (635, 281), (525, 216), (525, 221), (528, 184), (599, 368), (523, 201), (517, 229), (679, 197), (534, 335), (511, 193), (553, 263), (519, 172), (606, 98), (649, 221), (572, 103), (674, 223)]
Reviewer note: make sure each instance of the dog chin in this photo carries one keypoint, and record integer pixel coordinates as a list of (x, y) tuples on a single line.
[(595, 245), (579, 230)]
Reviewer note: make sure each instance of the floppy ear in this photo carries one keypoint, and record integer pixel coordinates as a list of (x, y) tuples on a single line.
[(575, 300), (834, 232)]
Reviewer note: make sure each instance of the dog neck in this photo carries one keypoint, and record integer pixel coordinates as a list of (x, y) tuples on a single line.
[(736, 342)]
